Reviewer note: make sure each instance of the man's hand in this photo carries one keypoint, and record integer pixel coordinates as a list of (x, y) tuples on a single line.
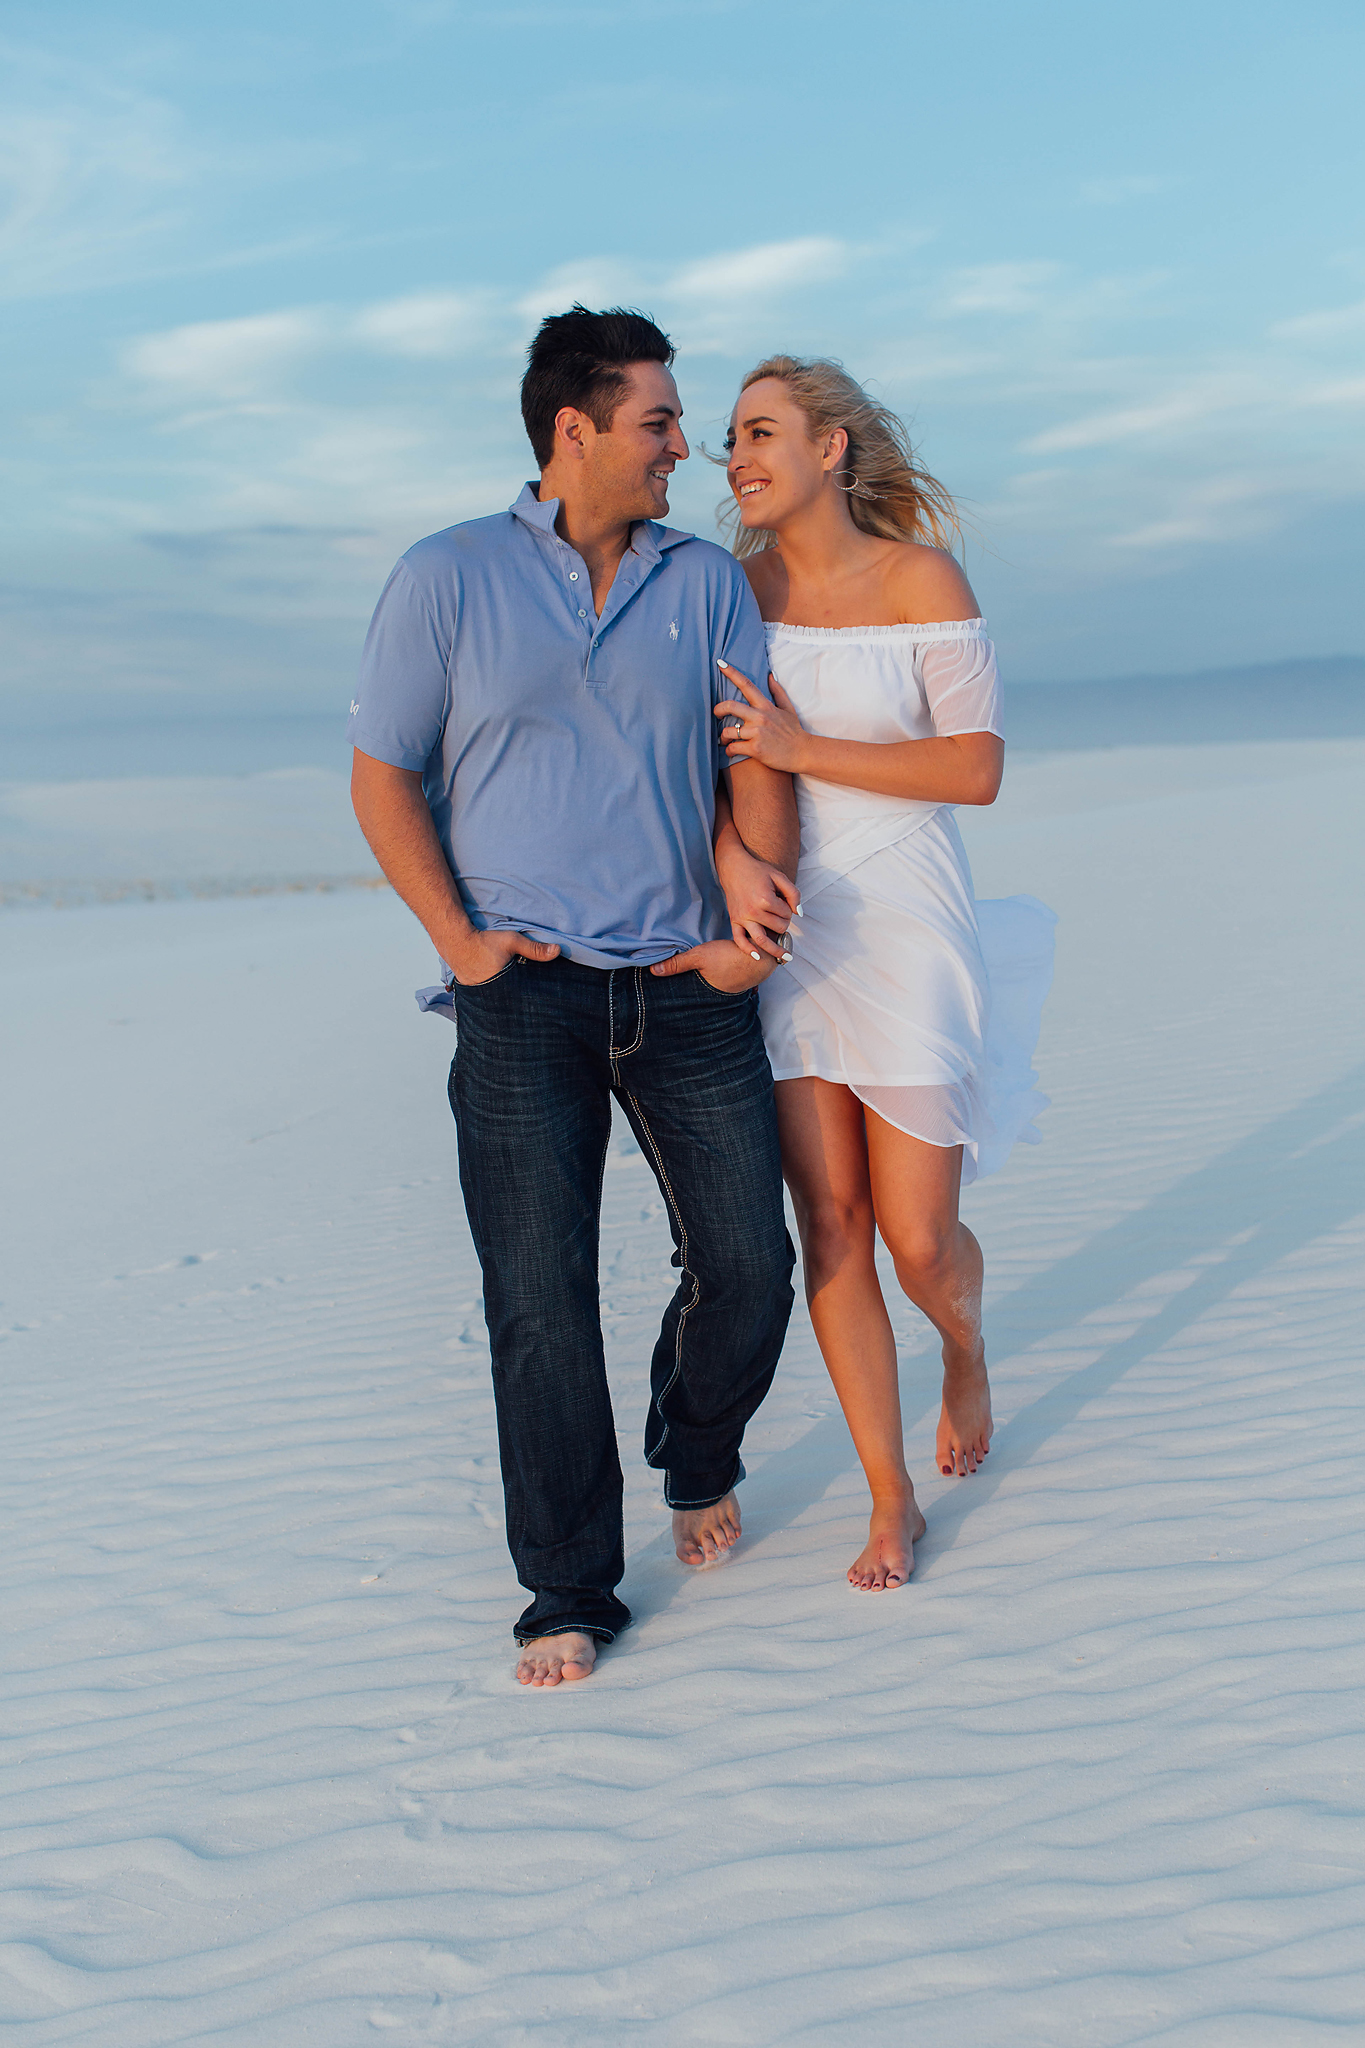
[(722, 965), (484, 954), (393, 814)]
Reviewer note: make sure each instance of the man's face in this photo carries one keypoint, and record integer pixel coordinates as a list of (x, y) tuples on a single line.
[(628, 468)]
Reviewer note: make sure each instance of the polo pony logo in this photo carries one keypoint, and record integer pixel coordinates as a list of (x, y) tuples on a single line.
[(672, 629)]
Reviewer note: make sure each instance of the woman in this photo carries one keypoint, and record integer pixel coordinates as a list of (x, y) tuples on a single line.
[(900, 1050)]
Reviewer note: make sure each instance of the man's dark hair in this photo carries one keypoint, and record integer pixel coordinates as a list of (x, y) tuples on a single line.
[(580, 358)]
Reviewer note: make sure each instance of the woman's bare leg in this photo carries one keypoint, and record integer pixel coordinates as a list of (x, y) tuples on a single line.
[(824, 1159), (915, 1189)]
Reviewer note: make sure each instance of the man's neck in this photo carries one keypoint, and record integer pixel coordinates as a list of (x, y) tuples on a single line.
[(601, 538)]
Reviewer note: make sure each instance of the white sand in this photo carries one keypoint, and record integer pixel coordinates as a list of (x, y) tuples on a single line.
[(178, 835), (1092, 1779)]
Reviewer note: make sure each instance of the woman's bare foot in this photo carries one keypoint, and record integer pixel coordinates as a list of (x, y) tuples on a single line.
[(548, 1659), (964, 1426), (705, 1535), (889, 1557)]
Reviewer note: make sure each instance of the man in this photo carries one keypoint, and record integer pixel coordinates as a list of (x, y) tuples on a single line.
[(535, 768)]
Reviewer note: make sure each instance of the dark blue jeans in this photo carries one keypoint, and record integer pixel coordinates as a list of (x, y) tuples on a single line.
[(542, 1050)]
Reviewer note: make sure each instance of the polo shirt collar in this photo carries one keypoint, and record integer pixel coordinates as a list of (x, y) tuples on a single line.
[(648, 539)]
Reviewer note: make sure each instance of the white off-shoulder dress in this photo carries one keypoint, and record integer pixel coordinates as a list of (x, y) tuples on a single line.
[(902, 986)]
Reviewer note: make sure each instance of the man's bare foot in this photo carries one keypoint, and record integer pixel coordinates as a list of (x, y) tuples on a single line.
[(889, 1558), (705, 1535), (548, 1659), (964, 1426)]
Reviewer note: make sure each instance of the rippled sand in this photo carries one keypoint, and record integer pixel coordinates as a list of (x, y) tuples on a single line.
[(1092, 1779)]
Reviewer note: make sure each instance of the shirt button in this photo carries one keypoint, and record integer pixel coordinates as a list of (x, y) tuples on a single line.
[(573, 575), (581, 613)]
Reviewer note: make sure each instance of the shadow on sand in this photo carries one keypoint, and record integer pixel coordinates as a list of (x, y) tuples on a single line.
[(1291, 1181)]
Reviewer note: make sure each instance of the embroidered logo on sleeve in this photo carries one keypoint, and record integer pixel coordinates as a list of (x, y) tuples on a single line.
[(672, 629)]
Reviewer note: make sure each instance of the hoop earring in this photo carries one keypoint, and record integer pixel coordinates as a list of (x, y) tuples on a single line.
[(852, 488)]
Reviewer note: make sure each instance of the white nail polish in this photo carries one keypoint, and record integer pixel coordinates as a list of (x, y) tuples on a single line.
[(799, 911)]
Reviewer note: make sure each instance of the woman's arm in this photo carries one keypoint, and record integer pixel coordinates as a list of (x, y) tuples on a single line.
[(759, 896), (965, 768)]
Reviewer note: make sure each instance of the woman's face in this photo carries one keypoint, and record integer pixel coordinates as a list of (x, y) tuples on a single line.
[(775, 469)]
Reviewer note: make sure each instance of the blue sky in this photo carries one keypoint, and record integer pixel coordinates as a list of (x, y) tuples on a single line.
[(270, 272)]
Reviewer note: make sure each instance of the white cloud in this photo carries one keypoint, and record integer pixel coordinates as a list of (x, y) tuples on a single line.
[(1219, 510), (999, 287), (764, 270), (434, 323), (1345, 391), (1127, 423), (1341, 324), (92, 179), (388, 418), (595, 281), (226, 360)]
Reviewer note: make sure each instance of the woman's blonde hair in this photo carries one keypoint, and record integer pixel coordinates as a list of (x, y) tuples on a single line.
[(889, 494)]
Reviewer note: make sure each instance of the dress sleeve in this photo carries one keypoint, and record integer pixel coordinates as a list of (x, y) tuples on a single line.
[(962, 686)]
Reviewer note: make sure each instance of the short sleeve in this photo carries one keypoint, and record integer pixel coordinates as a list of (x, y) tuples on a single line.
[(962, 685), (399, 711), (741, 640)]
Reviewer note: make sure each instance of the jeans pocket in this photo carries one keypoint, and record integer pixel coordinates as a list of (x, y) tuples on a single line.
[(471, 988), (727, 995)]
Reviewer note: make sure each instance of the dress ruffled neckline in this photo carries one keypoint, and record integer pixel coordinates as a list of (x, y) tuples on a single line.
[(939, 629)]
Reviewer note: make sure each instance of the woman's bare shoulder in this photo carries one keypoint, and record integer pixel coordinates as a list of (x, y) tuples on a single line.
[(767, 576), (927, 585)]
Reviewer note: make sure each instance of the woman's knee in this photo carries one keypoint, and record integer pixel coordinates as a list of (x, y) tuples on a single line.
[(833, 1231), (924, 1253)]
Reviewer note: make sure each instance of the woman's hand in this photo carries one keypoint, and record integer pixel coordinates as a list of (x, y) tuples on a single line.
[(759, 897), (767, 732)]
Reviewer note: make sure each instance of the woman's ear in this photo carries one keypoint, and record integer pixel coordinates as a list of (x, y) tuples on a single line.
[(836, 447)]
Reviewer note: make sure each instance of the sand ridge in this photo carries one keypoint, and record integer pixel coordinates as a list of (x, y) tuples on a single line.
[(1092, 1779)]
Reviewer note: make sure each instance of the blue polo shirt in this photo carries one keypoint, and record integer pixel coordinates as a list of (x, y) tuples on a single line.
[(569, 761)]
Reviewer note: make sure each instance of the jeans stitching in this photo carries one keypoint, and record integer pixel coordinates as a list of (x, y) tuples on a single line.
[(735, 994), (468, 985), (712, 1501), (687, 1309), (616, 1053), (623, 1052), (596, 1629)]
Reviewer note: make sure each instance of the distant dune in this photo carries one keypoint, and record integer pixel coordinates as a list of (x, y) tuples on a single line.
[(1275, 700), (1323, 699)]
